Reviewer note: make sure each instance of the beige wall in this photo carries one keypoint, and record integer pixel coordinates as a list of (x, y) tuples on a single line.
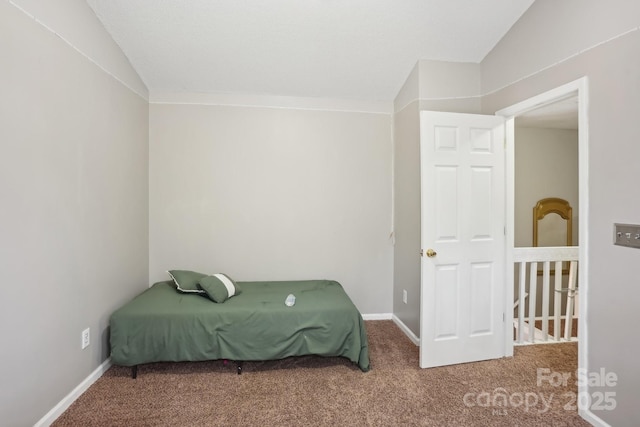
[(264, 192), (553, 31), (559, 40), (273, 194), (77, 25), (546, 165), (74, 216), (406, 255), (449, 81), (436, 86), (410, 90)]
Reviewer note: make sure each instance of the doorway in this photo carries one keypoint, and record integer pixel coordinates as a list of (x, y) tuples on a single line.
[(577, 92), (442, 326), (546, 216)]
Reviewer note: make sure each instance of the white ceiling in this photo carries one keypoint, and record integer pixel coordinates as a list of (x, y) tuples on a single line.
[(348, 49)]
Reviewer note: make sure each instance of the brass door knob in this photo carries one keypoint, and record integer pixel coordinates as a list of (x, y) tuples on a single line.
[(431, 253)]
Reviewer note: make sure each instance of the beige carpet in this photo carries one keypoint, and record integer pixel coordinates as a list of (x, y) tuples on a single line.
[(315, 391)]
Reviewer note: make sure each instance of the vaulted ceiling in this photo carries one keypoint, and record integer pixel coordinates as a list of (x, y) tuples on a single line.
[(349, 49)]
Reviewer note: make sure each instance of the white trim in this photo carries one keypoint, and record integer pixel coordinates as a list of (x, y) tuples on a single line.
[(231, 289), (392, 232), (541, 342), (527, 76), (592, 418), (272, 101), (509, 227), (399, 110), (185, 291), (77, 49), (562, 317), (62, 406), (414, 339), (581, 88), (377, 316), (562, 92), (546, 253), (555, 64), (389, 316), (443, 98), (583, 232), (538, 337)]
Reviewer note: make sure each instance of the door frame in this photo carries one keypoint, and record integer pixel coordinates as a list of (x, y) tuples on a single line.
[(577, 87)]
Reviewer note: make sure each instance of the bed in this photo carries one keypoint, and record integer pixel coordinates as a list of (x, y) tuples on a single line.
[(164, 325)]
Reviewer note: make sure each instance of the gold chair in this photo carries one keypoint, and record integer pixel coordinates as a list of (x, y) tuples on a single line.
[(552, 205), (550, 235)]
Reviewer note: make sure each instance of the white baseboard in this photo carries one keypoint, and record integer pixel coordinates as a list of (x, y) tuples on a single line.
[(414, 339), (390, 316), (62, 406), (377, 316), (592, 418)]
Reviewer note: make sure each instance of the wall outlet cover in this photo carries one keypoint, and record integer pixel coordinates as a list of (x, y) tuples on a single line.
[(86, 338)]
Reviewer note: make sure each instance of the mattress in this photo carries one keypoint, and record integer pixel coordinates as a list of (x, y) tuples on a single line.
[(162, 325)]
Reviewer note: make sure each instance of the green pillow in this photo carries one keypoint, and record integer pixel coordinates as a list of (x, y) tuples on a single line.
[(219, 287), (187, 281)]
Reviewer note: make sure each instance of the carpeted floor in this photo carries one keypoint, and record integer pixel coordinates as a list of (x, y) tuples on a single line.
[(315, 391)]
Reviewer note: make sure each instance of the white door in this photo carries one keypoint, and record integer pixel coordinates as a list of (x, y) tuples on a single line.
[(463, 238)]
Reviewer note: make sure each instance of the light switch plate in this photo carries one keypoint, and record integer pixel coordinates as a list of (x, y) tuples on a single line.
[(626, 235)]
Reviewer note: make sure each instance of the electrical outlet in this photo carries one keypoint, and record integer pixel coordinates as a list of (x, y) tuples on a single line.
[(404, 296), (85, 338)]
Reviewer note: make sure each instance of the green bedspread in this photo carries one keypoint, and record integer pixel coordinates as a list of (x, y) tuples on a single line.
[(162, 324)]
